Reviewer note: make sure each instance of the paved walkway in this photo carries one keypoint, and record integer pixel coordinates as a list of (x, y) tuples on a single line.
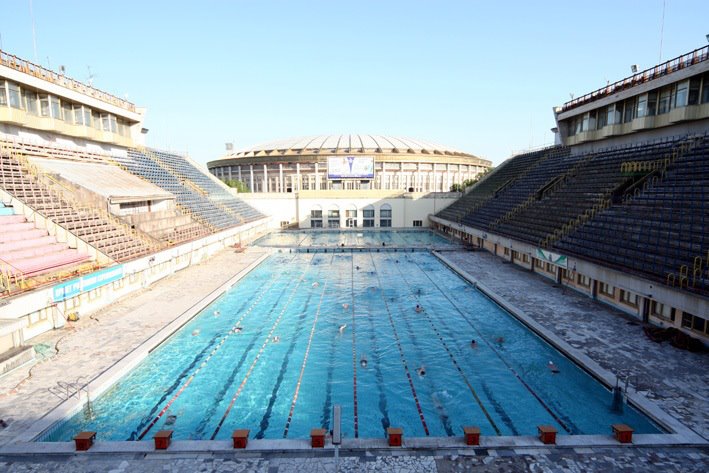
[(675, 379)]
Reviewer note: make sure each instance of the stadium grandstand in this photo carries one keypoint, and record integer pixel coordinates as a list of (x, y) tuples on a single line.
[(82, 199), (618, 210)]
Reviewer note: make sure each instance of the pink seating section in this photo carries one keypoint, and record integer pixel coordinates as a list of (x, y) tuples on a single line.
[(32, 251)]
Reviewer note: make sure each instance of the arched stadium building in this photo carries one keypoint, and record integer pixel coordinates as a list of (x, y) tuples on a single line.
[(349, 162)]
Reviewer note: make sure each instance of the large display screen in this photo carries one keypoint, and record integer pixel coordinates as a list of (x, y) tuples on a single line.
[(350, 167)]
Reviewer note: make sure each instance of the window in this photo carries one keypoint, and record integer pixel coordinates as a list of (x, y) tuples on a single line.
[(351, 218), (680, 96), (629, 109), (333, 218), (29, 98), (694, 85), (584, 281), (68, 112), (692, 322), (602, 117), (13, 93), (55, 107), (705, 88), (606, 289), (316, 218), (3, 93), (615, 112), (663, 105), (368, 217), (628, 298), (87, 116), (641, 109), (96, 120), (78, 115), (418, 223), (44, 105), (385, 216), (662, 311)]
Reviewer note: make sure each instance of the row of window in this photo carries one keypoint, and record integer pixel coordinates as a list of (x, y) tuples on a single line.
[(691, 91), (47, 105), (333, 217)]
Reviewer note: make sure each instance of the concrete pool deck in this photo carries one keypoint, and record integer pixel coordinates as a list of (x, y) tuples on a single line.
[(614, 342)]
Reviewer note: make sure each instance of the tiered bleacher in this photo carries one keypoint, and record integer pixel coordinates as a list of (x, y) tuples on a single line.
[(183, 169), (30, 251), (98, 229), (639, 208), (503, 176), (190, 198), (658, 231)]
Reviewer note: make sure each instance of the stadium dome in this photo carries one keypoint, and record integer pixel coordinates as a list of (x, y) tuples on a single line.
[(301, 163), (348, 144)]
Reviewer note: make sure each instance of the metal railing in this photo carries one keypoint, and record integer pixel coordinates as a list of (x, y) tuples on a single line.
[(40, 72), (680, 62)]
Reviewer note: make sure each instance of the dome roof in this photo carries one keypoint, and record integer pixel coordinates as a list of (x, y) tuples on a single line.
[(334, 144)]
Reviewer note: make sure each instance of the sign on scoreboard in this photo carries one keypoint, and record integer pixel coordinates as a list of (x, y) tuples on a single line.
[(350, 167)]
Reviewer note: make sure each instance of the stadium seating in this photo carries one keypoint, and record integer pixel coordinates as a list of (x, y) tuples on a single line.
[(656, 232), (650, 222), (183, 169), (502, 177), (190, 197), (29, 251), (93, 226)]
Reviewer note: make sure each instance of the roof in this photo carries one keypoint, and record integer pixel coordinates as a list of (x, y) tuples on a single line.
[(334, 144), (106, 180)]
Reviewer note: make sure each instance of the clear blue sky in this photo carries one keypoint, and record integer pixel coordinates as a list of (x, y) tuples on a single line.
[(478, 76)]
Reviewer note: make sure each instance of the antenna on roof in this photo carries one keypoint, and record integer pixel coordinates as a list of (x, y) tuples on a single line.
[(90, 80), (34, 35), (571, 94), (62, 70)]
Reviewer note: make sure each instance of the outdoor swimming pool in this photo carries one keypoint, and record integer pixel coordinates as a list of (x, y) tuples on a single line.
[(355, 238), (286, 343)]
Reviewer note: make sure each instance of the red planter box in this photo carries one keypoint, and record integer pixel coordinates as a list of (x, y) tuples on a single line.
[(394, 434), (623, 433), (472, 435), (240, 438), (317, 438), (547, 434), (84, 440), (163, 439)]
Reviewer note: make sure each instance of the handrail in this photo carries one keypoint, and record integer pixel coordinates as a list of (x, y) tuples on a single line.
[(680, 62), (27, 67)]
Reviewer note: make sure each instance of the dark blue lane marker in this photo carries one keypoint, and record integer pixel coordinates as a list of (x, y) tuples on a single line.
[(499, 409), (404, 315), (382, 404), (265, 420), (232, 376), (169, 391)]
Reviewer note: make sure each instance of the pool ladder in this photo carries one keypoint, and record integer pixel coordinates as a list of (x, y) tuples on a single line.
[(66, 390)]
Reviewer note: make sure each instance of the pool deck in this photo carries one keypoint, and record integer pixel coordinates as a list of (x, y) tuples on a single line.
[(674, 380)]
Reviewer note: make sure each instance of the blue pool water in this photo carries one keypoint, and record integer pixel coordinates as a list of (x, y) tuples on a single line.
[(224, 370), (354, 238)]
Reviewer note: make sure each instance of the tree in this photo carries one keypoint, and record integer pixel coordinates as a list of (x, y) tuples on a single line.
[(240, 186)]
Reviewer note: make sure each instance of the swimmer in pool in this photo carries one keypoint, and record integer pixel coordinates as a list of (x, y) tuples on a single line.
[(342, 328), (363, 361), (238, 330), (316, 284), (421, 371), (473, 344), (195, 332), (419, 308), (345, 306), (276, 339), (552, 367), (500, 340), (217, 313)]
